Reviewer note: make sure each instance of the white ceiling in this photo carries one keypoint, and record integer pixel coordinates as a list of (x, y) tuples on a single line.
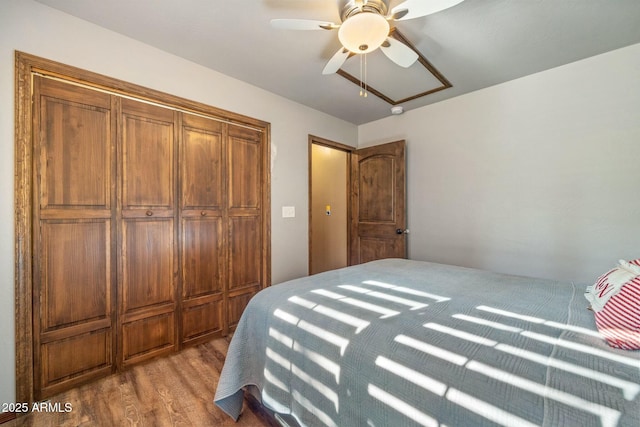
[(476, 44)]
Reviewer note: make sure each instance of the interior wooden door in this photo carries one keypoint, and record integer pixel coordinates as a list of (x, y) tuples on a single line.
[(378, 217), (203, 219), (74, 236), (148, 267)]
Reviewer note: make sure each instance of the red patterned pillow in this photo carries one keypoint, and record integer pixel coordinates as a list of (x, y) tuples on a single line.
[(615, 299)]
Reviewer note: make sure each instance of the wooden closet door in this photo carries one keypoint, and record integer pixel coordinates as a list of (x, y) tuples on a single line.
[(202, 216), (148, 264), (245, 156), (74, 236)]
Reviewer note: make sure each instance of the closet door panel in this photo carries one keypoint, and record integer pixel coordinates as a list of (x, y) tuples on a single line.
[(148, 287), (148, 337), (148, 264), (201, 162), (81, 292), (148, 156), (202, 212), (202, 253), (245, 252), (245, 236), (75, 150), (244, 169), (245, 265), (65, 362), (148, 280), (76, 323), (202, 320), (202, 278), (74, 235)]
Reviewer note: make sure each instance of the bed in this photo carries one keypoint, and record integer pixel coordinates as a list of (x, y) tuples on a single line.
[(401, 343)]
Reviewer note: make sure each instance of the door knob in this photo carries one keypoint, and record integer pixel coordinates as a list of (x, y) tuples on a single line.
[(401, 231)]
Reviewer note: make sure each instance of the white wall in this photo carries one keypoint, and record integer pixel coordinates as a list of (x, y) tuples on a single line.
[(33, 28), (539, 176)]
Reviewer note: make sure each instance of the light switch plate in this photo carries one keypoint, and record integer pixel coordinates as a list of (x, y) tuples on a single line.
[(288, 212)]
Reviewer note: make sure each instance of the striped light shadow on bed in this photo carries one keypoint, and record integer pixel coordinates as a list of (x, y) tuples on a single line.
[(439, 388), (385, 312), (269, 394), (406, 290), (629, 389), (315, 357), (490, 412), (319, 332), (289, 369), (279, 360), (560, 342), (326, 391), (427, 383), (286, 356), (412, 300), (581, 348), (538, 320), (402, 407), (312, 408), (349, 319), (432, 350), (381, 295), (609, 417)]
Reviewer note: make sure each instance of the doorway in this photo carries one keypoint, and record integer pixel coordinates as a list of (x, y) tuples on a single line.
[(372, 223), (328, 204)]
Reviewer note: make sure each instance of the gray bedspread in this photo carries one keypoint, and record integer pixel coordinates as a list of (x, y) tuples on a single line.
[(403, 343)]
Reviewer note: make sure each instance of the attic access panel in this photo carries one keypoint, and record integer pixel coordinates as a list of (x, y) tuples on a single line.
[(391, 82)]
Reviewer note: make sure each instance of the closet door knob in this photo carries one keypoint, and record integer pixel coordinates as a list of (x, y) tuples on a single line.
[(203, 213), (149, 213)]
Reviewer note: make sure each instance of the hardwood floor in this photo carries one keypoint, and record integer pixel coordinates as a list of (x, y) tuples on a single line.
[(176, 390)]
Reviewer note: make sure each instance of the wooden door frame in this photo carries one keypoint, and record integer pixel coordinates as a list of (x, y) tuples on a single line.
[(349, 150), (25, 66)]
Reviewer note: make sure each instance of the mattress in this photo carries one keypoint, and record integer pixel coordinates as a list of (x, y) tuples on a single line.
[(402, 343)]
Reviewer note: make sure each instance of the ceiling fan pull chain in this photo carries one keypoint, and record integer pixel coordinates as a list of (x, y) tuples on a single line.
[(365, 76), (361, 82)]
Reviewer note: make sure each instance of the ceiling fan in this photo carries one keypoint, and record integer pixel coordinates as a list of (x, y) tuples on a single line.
[(365, 27)]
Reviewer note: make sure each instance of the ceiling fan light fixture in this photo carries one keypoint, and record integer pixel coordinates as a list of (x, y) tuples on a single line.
[(363, 32)]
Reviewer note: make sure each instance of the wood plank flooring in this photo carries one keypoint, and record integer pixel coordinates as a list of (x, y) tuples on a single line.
[(176, 390)]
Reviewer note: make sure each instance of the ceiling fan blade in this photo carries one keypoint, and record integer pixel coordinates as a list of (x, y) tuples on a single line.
[(336, 61), (418, 8), (399, 52), (302, 24)]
